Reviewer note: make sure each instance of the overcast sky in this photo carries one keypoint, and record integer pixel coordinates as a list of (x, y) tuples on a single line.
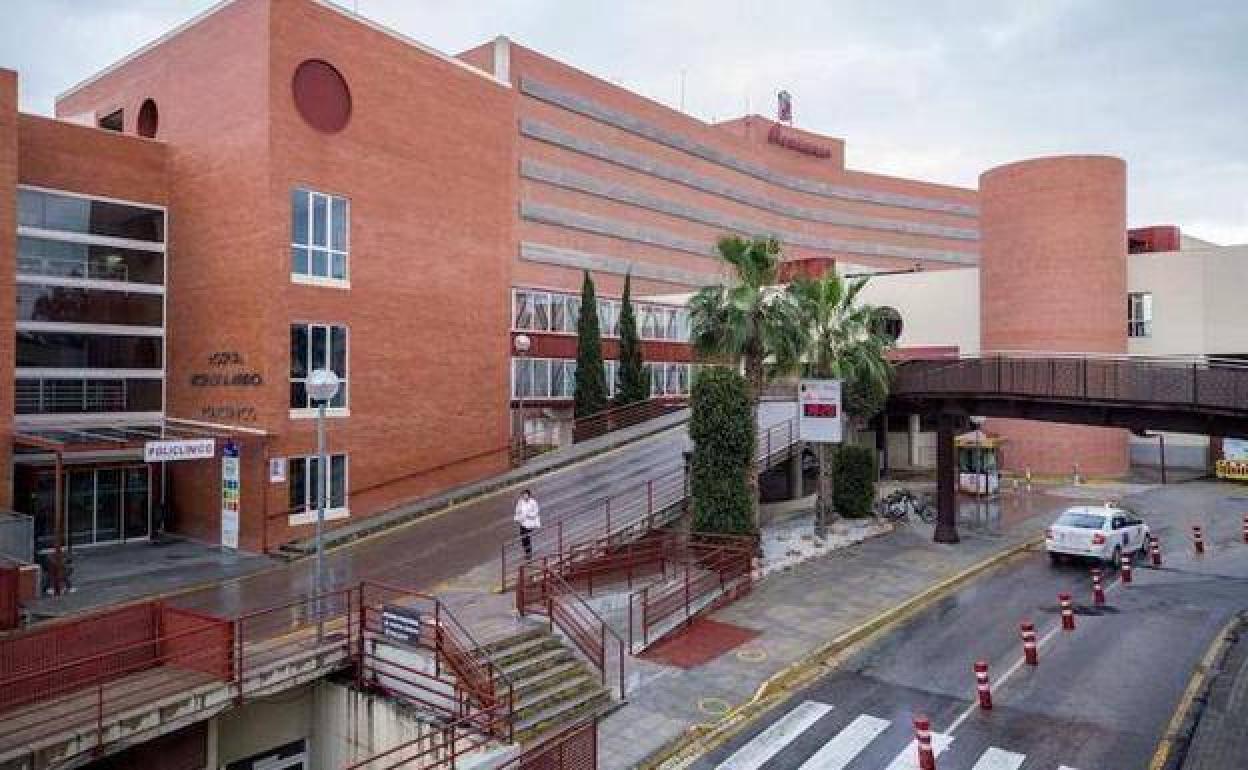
[(933, 89)]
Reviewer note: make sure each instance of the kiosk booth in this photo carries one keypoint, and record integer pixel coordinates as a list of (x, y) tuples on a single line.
[(979, 463)]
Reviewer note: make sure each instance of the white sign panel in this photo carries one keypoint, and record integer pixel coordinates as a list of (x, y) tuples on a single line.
[(277, 470), (1235, 449), (185, 449), (231, 474), (819, 416)]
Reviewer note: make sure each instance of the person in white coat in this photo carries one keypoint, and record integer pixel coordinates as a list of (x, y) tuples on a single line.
[(528, 517)]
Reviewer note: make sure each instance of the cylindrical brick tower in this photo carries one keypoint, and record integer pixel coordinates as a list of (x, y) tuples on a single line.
[(1053, 277)]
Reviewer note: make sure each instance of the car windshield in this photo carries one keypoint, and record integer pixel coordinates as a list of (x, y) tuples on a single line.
[(1081, 520)]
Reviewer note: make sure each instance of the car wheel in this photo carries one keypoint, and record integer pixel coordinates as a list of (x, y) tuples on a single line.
[(1115, 561)]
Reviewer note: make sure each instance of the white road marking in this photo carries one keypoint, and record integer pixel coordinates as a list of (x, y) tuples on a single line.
[(909, 758), (848, 743), (997, 759), (1065, 767), (771, 741)]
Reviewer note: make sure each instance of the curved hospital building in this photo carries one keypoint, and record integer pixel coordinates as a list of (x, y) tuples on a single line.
[(279, 186)]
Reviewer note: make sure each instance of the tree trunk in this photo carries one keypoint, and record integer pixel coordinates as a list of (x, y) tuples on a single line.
[(754, 379)]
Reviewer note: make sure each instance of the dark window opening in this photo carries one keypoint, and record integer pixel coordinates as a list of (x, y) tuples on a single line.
[(113, 121)]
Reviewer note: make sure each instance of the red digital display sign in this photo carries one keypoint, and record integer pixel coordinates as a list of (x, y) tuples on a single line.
[(819, 410)]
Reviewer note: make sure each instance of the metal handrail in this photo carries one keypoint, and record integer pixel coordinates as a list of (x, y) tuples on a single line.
[(567, 591)]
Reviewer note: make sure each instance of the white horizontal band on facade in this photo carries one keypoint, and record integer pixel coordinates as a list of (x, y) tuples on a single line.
[(88, 239), (572, 180), (634, 125), (65, 327), (602, 263), (92, 419), (91, 283), (643, 164), (628, 231), (86, 373)]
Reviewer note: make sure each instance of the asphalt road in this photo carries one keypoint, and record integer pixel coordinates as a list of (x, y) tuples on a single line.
[(429, 551), (1101, 696)]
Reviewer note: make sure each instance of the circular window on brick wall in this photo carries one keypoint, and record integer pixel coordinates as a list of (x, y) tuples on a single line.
[(322, 96), (149, 119), (887, 323)]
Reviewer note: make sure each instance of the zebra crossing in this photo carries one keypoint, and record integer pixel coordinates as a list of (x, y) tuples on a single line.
[(843, 749)]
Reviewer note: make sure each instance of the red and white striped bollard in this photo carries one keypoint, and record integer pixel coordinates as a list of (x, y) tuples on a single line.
[(1068, 612), (1154, 548), (1098, 590), (1198, 539), (1126, 569), (981, 685), (923, 739), (1027, 630)]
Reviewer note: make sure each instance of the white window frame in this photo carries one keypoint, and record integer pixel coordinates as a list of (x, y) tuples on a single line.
[(310, 278), (309, 516), (310, 412), (663, 315), (1139, 326)]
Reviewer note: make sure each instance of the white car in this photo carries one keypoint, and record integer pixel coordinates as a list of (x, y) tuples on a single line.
[(1097, 532)]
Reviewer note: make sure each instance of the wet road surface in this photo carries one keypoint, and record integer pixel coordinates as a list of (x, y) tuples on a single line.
[(1101, 696)]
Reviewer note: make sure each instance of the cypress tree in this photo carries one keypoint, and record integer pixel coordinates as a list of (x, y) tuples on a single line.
[(591, 379), (723, 430), (632, 380)]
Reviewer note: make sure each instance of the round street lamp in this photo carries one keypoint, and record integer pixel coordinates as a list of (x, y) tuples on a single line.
[(322, 385)]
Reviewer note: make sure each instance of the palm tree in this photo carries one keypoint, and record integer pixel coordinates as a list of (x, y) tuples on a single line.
[(750, 323), (842, 341)]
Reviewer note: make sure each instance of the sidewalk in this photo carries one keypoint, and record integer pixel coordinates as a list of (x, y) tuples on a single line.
[(1220, 739), (792, 613)]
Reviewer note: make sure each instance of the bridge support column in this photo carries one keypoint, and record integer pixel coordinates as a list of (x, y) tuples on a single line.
[(881, 441), (946, 476), (913, 428), (795, 473)]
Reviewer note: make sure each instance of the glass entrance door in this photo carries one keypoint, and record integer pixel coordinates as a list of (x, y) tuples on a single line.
[(109, 504)]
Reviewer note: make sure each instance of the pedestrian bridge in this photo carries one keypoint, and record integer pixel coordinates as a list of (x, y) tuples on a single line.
[(1186, 394)]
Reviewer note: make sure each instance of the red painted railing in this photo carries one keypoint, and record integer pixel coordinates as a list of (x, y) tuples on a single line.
[(542, 589), (618, 417), (631, 511), (703, 572), (575, 747)]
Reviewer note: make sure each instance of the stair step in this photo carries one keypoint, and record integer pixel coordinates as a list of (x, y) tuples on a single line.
[(501, 645), (524, 650), (545, 676), (557, 691), (522, 668), (562, 713)]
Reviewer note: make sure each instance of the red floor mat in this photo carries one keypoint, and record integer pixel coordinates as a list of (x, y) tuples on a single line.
[(701, 643)]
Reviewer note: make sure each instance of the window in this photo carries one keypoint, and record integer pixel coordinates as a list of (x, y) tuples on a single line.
[(317, 346), (85, 396), (67, 304), (305, 488), (113, 121), (98, 351), (88, 216), (544, 311), (65, 259), (1140, 314), (319, 230)]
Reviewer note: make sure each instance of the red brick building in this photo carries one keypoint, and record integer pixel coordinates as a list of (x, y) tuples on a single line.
[(321, 192)]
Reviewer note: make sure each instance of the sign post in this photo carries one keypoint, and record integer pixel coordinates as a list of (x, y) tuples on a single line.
[(819, 417), (231, 477)]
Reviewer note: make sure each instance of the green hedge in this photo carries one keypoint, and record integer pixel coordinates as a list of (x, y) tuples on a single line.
[(854, 474), (722, 427)]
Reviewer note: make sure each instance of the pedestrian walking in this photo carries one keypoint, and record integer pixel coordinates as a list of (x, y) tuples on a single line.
[(529, 519)]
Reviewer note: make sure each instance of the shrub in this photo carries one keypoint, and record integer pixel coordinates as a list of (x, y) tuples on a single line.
[(722, 427), (854, 474)]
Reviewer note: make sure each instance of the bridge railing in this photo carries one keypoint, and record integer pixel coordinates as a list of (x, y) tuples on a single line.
[(1207, 383)]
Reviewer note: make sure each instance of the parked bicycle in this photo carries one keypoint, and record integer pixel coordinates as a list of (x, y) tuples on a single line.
[(900, 504)]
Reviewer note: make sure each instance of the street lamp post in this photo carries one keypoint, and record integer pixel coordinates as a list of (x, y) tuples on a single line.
[(521, 343), (322, 386)]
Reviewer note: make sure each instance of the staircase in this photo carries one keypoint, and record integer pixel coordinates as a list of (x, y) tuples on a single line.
[(553, 687)]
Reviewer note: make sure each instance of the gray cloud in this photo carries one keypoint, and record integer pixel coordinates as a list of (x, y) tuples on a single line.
[(933, 89)]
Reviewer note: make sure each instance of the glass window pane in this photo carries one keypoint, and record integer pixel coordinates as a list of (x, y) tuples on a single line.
[(573, 315), (314, 483), (299, 216), (138, 512), (541, 377), (108, 504), (299, 395), (101, 351), (338, 266), (298, 351), (541, 311), (297, 485), (522, 377), (68, 304), (319, 358), (338, 224), (558, 312), (338, 481), (338, 350), (29, 208), (339, 401), (299, 260), (318, 262), (320, 220), (80, 506), (521, 310)]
